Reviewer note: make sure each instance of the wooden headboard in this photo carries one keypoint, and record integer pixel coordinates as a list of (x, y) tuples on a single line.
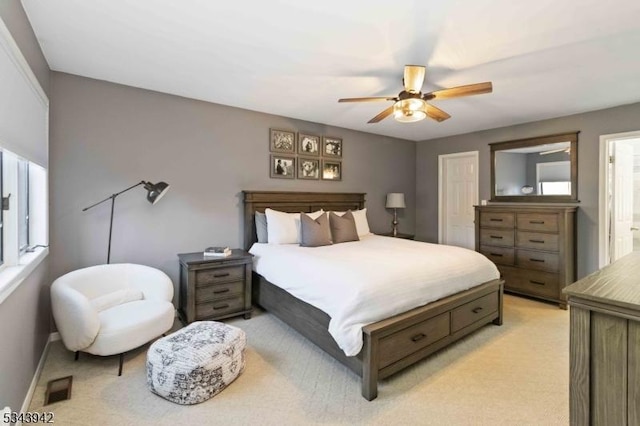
[(293, 202)]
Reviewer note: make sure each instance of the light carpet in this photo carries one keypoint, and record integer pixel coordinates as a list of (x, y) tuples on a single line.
[(516, 374)]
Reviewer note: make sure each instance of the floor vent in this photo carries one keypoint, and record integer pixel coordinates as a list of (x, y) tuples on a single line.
[(58, 390)]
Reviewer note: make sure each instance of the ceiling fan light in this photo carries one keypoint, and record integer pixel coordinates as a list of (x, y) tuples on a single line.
[(409, 110)]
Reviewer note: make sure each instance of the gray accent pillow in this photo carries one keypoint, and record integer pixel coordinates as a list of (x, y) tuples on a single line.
[(261, 227), (343, 228), (314, 232)]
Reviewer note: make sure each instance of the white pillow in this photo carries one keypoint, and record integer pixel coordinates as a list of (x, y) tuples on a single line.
[(284, 228), (362, 225), (115, 298)]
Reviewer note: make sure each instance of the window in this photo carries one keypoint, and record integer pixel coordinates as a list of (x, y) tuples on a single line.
[(23, 205)]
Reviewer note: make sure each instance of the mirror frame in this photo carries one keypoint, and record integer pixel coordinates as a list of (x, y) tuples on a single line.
[(541, 140)]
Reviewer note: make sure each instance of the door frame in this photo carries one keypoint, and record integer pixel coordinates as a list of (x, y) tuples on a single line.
[(604, 211), (441, 160)]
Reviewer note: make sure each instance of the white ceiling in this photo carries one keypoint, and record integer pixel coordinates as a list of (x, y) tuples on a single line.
[(546, 58)]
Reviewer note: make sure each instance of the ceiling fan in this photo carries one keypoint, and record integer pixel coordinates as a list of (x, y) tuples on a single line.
[(411, 104)]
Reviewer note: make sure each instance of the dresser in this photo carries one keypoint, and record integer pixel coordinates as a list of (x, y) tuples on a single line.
[(532, 246), (213, 288), (604, 358)]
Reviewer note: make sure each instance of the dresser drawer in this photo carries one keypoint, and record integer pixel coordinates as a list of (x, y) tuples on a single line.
[(217, 291), (538, 260), (496, 237), (411, 339), (470, 312), (498, 255), (533, 282), (537, 240), (219, 275), (219, 307), (497, 219), (547, 222)]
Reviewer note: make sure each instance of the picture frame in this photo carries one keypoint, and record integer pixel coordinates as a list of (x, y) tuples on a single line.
[(331, 170), (282, 166), (282, 141), (332, 147), (308, 168), (309, 144)]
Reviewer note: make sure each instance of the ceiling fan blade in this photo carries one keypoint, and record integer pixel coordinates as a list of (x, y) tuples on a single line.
[(435, 113), (456, 92), (369, 99), (413, 78), (384, 114), (553, 151)]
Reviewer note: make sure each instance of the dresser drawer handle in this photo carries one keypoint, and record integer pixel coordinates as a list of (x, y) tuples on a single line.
[(537, 241), (496, 237), (476, 310), (496, 254), (226, 274), (537, 260), (536, 282), (536, 222), (221, 306), (226, 290), (495, 220), (418, 337)]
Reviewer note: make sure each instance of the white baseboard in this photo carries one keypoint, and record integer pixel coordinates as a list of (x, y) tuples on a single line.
[(34, 382)]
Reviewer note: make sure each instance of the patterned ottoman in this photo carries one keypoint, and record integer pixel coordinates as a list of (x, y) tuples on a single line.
[(195, 363)]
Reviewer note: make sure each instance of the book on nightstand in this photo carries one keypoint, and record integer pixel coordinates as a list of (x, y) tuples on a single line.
[(217, 251)]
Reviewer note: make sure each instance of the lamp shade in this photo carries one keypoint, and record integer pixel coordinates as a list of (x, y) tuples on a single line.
[(395, 200), (156, 191)]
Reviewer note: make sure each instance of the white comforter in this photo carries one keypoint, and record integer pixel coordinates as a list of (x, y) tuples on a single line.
[(365, 281)]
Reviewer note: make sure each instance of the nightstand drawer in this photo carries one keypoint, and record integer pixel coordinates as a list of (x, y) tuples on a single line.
[(220, 307), (498, 255), (497, 219), (219, 275), (473, 311), (496, 237), (411, 339), (537, 260), (217, 291), (537, 240)]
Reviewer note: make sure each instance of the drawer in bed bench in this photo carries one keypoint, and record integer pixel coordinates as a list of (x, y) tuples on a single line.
[(470, 312), (411, 339)]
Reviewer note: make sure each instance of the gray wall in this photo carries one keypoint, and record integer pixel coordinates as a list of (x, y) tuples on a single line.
[(105, 137), (25, 314), (591, 125), (512, 174)]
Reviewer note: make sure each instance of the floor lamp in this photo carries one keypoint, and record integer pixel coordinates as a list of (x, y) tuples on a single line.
[(154, 193), (395, 201)]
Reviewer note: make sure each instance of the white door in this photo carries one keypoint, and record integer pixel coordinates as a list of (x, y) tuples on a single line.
[(458, 176), (622, 201)]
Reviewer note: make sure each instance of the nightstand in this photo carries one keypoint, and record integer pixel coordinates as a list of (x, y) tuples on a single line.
[(399, 235), (213, 288)]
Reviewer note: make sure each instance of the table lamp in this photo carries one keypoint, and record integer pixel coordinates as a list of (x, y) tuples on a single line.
[(395, 201)]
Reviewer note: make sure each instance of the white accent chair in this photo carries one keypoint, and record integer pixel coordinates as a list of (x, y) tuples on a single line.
[(111, 309)]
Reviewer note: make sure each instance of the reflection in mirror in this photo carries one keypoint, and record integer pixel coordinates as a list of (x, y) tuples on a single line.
[(540, 169), (534, 170)]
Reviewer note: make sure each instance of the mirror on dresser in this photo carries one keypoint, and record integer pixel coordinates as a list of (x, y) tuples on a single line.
[(540, 169)]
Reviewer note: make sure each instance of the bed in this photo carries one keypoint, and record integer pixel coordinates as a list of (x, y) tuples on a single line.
[(390, 344)]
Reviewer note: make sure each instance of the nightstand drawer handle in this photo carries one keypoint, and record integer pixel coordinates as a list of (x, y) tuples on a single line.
[(496, 237), (537, 260), (418, 337), (226, 274), (476, 310), (496, 254), (495, 220), (221, 306), (536, 222), (537, 241), (226, 290), (536, 282)]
